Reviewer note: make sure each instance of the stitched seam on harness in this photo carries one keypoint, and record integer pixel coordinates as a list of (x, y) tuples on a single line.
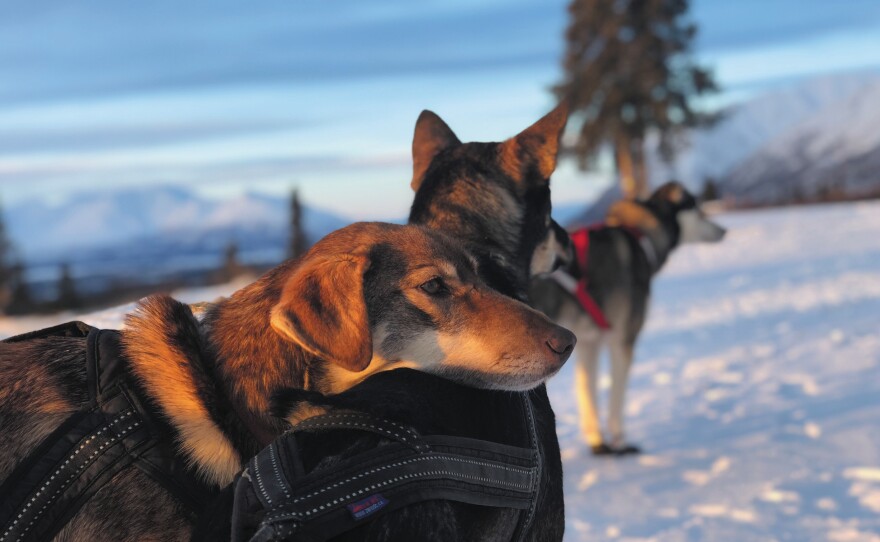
[(533, 504), (259, 478), (383, 430), (272, 453), (406, 462), (82, 445), (118, 437), (528, 471), (378, 485), (97, 452), (328, 417), (328, 421)]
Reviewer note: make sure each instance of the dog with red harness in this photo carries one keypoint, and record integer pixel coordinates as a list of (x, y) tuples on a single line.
[(603, 295)]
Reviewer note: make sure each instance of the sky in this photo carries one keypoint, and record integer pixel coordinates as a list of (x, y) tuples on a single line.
[(223, 97)]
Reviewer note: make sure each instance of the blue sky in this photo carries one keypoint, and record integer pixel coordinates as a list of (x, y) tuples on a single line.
[(225, 96)]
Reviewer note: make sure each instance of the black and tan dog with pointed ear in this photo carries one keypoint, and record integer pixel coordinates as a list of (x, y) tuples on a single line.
[(365, 299), (494, 198)]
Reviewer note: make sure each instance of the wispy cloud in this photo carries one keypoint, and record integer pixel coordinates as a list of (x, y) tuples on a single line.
[(224, 95), (71, 139), (124, 47)]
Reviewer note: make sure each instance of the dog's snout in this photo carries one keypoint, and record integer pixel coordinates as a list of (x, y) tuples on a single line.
[(562, 342)]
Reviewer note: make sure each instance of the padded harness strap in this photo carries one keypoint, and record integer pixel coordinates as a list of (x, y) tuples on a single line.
[(72, 463), (412, 468), (111, 433), (363, 422)]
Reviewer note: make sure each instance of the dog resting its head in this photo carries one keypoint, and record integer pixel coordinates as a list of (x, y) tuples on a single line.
[(372, 297), (495, 197), (367, 298)]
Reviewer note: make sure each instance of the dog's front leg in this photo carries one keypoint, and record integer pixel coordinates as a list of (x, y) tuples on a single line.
[(586, 375), (621, 361)]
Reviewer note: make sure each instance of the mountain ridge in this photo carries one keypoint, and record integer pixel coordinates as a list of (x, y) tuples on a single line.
[(747, 150), (155, 215)]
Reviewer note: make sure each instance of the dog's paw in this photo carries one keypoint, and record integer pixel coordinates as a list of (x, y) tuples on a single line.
[(602, 449), (627, 449)]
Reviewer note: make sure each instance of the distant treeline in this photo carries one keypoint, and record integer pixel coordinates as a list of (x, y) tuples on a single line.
[(19, 297), (795, 196)]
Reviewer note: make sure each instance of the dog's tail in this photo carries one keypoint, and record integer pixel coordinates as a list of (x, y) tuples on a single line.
[(168, 357)]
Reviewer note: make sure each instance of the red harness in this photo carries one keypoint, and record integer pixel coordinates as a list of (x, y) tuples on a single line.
[(581, 241)]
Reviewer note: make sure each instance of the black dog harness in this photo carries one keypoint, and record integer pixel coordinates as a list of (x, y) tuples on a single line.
[(114, 431), (487, 456), (276, 499)]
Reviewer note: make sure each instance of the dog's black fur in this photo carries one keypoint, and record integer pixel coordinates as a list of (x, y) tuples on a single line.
[(495, 198), (434, 406), (360, 296), (623, 256), (503, 199), (44, 383)]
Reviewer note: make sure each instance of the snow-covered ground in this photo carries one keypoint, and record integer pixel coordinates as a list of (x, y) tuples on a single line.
[(755, 393)]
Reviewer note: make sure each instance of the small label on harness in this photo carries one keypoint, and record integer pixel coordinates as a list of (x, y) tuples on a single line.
[(367, 507)]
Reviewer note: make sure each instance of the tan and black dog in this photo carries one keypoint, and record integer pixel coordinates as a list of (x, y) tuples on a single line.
[(623, 255), (494, 198), (367, 298)]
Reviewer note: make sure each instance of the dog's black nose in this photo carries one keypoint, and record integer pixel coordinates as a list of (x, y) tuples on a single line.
[(562, 342)]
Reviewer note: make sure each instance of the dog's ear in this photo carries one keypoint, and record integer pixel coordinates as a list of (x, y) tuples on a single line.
[(432, 135), (323, 310), (535, 148), (672, 192), (631, 214)]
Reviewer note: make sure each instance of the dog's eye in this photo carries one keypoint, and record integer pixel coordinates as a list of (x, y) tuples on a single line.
[(433, 286)]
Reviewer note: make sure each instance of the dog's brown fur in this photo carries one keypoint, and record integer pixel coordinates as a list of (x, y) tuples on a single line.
[(311, 325), (36, 397), (367, 298), (495, 199)]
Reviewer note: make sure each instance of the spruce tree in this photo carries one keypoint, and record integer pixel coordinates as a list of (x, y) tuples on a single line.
[(67, 296), (231, 266), (297, 241), (628, 72), (710, 190), (20, 301), (6, 267)]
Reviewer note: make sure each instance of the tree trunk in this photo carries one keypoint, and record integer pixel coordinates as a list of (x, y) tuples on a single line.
[(624, 161), (640, 171)]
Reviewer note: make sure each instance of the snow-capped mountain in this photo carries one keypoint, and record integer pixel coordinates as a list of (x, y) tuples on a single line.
[(835, 149), (155, 219), (806, 135)]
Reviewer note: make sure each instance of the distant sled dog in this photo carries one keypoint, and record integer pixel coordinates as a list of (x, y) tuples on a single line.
[(603, 294)]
